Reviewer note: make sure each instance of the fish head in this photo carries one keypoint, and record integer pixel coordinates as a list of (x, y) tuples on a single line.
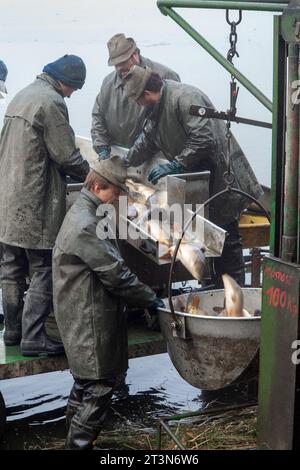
[(192, 257), (234, 299)]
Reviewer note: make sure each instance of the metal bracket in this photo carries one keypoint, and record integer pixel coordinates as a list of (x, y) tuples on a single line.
[(179, 328), (211, 113)]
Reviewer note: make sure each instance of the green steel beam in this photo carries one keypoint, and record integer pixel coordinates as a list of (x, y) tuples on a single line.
[(266, 5), (290, 213), (216, 54), (278, 133)]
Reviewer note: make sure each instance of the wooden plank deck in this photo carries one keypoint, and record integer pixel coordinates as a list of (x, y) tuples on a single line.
[(141, 342)]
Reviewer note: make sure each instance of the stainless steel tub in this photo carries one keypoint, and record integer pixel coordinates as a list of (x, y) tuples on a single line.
[(211, 352)]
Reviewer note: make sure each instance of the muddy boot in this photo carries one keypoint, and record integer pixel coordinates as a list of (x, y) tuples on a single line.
[(79, 438), (12, 301), (70, 412), (86, 423), (14, 268), (38, 305), (74, 401), (35, 341)]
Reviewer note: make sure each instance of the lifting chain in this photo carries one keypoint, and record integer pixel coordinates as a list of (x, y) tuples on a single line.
[(233, 36), (234, 90)]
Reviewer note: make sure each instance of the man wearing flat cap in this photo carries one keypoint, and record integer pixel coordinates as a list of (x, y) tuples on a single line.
[(193, 143), (115, 119), (37, 152), (91, 286)]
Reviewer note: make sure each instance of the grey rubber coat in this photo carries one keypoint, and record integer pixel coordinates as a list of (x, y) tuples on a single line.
[(198, 144), (91, 285), (116, 120), (37, 151)]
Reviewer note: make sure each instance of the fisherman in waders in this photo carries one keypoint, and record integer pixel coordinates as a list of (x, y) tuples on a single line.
[(37, 152), (192, 143), (115, 119), (91, 286)]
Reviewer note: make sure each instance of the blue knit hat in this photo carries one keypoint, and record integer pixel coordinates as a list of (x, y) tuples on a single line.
[(69, 69), (3, 75)]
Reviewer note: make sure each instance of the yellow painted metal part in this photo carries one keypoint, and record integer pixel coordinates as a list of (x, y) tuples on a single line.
[(254, 230)]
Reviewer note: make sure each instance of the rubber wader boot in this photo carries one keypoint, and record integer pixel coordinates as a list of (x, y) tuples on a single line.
[(38, 305), (79, 438), (12, 302), (93, 399), (74, 401), (70, 412)]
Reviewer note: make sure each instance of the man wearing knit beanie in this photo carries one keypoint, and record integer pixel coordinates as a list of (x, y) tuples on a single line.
[(69, 70), (37, 152)]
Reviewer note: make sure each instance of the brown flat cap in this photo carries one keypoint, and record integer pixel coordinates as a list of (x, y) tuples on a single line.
[(135, 81), (120, 49), (113, 170)]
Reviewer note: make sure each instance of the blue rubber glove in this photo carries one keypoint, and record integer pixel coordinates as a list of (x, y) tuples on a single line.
[(157, 303), (151, 315), (104, 153), (125, 160), (171, 168)]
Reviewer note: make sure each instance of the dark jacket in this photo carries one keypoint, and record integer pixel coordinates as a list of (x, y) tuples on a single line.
[(37, 151), (91, 283), (198, 144), (116, 120)]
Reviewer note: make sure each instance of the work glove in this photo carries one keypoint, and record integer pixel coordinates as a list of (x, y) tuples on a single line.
[(151, 315), (157, 303), (171, 168), (104, 153), (125, 159)]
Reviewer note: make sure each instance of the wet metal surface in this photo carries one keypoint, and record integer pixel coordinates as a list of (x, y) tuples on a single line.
[(213, 351)]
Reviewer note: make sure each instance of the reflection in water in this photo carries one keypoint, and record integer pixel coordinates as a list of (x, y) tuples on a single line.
[(36, 405)]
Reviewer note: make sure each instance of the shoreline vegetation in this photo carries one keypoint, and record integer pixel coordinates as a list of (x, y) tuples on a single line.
[(231, 430)]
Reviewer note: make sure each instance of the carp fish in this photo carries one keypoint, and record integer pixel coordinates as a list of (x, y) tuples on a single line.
[(192, 256), (193, 305), (139, 192), (146, 209), (233, 302)]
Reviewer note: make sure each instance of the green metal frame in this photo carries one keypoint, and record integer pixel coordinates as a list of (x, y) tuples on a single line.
[(279, 377), (290, 212), (166, 7), (278, 126)]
